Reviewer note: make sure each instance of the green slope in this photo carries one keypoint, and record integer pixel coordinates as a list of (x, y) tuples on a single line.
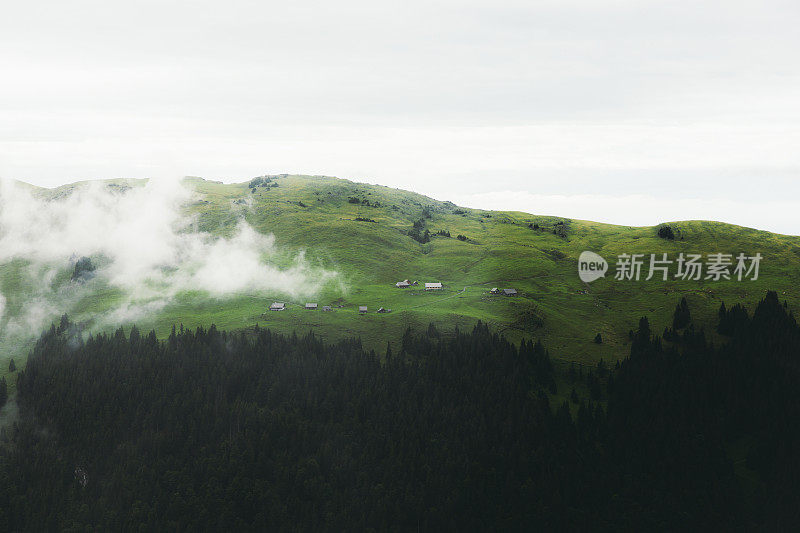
[(316, 215)]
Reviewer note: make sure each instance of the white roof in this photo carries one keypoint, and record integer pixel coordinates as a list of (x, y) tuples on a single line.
[(436, 285), (277, 305)]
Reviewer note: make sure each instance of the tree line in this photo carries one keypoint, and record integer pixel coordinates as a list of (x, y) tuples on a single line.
[(253, 430)]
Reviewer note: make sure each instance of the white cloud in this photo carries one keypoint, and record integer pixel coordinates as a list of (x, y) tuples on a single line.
[(472, 96), (142, 245)]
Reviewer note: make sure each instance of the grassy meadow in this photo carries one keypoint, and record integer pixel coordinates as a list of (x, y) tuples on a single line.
[(361, 232)]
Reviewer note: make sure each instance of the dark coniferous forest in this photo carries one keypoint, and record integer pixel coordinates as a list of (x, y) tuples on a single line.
[(210, 430)]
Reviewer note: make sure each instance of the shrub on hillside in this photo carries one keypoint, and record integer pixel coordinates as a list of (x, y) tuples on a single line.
[(84, 269), (665, 232)]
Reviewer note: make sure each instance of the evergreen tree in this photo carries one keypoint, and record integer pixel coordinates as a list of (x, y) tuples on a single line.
[(84, 269), (3, 391), (258, 431), (681, 317), (432, 331)]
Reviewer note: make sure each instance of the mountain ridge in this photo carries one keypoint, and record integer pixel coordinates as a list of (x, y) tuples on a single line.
[(372, 236)]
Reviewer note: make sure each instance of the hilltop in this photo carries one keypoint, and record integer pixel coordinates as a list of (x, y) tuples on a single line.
[(363, 231), (374, 236)]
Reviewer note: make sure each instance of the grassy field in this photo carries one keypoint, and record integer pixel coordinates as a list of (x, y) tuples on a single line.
[(318, 216)]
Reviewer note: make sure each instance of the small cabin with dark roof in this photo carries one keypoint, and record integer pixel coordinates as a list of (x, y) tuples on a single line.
[(362, 309)]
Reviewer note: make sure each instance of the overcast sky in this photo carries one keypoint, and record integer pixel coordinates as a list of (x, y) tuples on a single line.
[(628, 111)]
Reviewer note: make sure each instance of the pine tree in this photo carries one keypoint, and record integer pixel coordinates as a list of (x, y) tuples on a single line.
[(3, 391), (681, 317), (12, 367)]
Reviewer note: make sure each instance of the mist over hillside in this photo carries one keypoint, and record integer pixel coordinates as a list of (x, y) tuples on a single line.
[(196, 252), (143, 247), (159, 295), (554, 289)]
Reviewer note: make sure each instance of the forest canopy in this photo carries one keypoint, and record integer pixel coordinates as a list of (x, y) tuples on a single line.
[(252, 431)]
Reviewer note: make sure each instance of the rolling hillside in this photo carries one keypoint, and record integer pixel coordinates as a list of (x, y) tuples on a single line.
[(364, 233)]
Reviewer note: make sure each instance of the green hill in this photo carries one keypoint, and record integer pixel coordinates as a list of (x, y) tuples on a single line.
[(367, 234)]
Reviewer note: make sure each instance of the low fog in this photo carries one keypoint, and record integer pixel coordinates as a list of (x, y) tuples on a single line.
[(145, 249)]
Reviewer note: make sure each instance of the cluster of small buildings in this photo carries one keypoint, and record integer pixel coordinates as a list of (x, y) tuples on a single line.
[(436, 286), (280, 306), (362, 309), (505, 292), (313, 307)]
